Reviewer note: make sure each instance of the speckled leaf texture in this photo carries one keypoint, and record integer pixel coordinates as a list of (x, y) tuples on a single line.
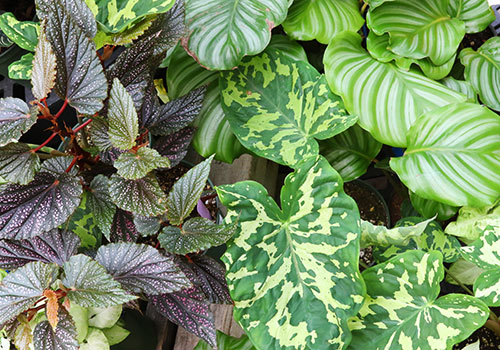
[(80, 77), (123, 228), (293, 272), (471, 222), (18, 164), (100, 204), (226, 342), (90, 285), (45, 203), (22, 288), (21, 69), (141, 268), (135, 165), (453, 156), (402, 310), (175, 146), (387, 99), (222, 32), (55, 246), (43, 75), (321, 20), (351, 152), (148, 226), (482, 70), (277, 107), (380, 235), (476, 14), (186, 191), (16, 117), (58, 165), (429, 208), (23, 334), (122, 117), (23, 33), (196, 234), (61, 338), (142, 196)]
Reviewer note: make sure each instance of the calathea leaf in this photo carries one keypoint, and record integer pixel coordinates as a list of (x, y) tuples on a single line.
[(441, 143), (222, 32), (461, 86), (142, 196), (63, 337), (321, 20), (285, 127), (226, 342), (381, 235), (471, 222), (135, 165), (45, 203), (89, 284), (24, 34), (122, 117), (20, 289), (141, 268), (18, 164), (55, 246), (371, 96), (175, 146), (16, 117), (288, 47), (186, 191), (420, 319), (301, 257), (123, 228), (21, 69), (43, 75), (476, 14), (429, 208), (100, 203)]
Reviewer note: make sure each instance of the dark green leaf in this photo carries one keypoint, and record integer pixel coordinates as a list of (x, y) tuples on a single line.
[(148, 226), (61, 338), (58, 165), (82, 223), (122, 116), (16, 117), (429, 208), (226, 342), (175, 146), (24, 34), (123, 228), (136, 165), (18, 164), (100, 203), (21, 69)]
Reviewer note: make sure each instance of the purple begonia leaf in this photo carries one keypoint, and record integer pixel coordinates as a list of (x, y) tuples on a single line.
[(100, 204), (141, 268), (43, 204), (123, 228), (175, 145), (58, 165), (18, 164), (109, 156), (16, 118), (54, 246), (150, 106), (202, 209), (61, 338)]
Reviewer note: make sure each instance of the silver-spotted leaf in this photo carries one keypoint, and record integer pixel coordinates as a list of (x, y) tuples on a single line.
[(476, 14), (23, 33), (63, 337), (294, 271), (58, 166), (149, 226), (21, 69), (453, 156), (89, 284), (18, 164), (402, 309), (382, 236), (186, 191), (136, 165), (98, 133), (43, 75), (123, 228), (429, 208), (100, 203), (16, 117), (45, 203), (471, 222), (226, 342), (175, 146), (282, 128), (141, 268), (122, 117)]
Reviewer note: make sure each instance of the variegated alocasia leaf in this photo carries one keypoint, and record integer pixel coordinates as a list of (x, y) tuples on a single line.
[(122, 117), (283, 128), (21, 69), (127, 36), (350, 152), (471, 222), (429, 208), (186, 191), (387, 99), (63, 337), (196, 234), (18, 164), (142, 269), (123, 228), (45, 203), (135, 165), (461, 86), (142, 196), (23, 33), (222, 32), (411, 26), (441, 146), (100, 203), (476, 14), (89, 284), (482, 70), (403, 311), (382, 236), (175, 146), (16, 117), (43, 75), (294, 271), (321, 20), (226, 342), (55, 246), (21, 289)]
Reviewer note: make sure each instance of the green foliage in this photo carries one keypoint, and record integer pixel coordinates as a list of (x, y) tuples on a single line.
[(429, 208), (24, 34), (21, 69), (18, 164), (471, 222), (383, 236), (123, 122), (226, 342), (136, 165)]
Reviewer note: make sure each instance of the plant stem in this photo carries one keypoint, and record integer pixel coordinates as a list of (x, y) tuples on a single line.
[(463, 286), (73, 162), (61, 110), (45, 143), (82, 126), (362, 263)]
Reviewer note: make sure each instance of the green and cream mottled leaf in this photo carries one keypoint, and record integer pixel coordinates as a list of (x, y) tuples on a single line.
[(21, 69), (476, 14), (294, 271), (487, 287), (429, 208), (464, 271), (122, 117), (453, 156), (461, 86), (283, 128), (485, 252), (322, 19), (16, 117), (126, 36), (418, 29), (137, 165), (402, 310), (473, 346), (18, 164), (382, 236), (471, 222), (43, 74), (23, 33), (227, 342), (387, 99), (482, 71)]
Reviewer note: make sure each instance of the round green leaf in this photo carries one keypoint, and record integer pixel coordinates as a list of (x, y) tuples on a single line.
[(476, 14), (79, 315), (115, 334), (429, 208), (96, 340), (104, 317)]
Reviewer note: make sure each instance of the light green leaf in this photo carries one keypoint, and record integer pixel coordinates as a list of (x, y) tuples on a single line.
[(43, 75), (278, 107), (429, 208), (453, 156), (21, 69), (226, 342), (79, 315), (351, 152), (322, 19), (471, 222), (104, 317), (476, 14), (383, 236), (122, 117), (402, 310), (473, 346), (96, 340), (411, 25), (482, 70), (23, 33), (287, 47), (464, 271), (138, 164), (115, 334), (18, 164), (294, 271), (461, 86), (387, 99), (126, 36), (186, 191)]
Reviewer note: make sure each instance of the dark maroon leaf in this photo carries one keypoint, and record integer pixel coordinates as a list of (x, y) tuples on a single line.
[(109, 156), (45, 203), (175, 146), (18, 164), (54, 246), (150, 108), (62, 338), (123, 228)]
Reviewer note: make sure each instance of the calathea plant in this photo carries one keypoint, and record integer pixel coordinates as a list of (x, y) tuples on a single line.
[(106, 175)]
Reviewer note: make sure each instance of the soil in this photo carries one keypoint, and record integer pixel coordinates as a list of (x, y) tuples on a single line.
[(24, 10), (476, 40), (488, 340), (370, 206)]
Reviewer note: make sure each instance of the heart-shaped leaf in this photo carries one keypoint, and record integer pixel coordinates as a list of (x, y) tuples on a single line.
[(100, 204), (21, 69), (23, 33), (429, 208), (123, 228), (442, 144), (149, 226), (106, 317), (43, 75), (471, 222), (226, 342), (16, 117), (96, 340), (63, 337), (282, 128), (287, 259), (122, 117), (136, 165), (18, 164), (476, 14), (387, 100), (175, 146)]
